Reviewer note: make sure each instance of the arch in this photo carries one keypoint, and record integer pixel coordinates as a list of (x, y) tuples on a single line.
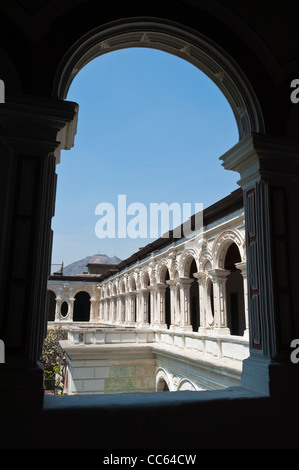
[(114, 288), (121, 286), (145, 279), (186, 260), (162, 269), (222, 243), (186, 384), (194, 295), (177, 304), (145, 284), (167, 299), (132, 283), (82, 288), (235, 307), (163, 382), (82, 307), (173, 38), (205, 257), (210, 301), (51, 305)]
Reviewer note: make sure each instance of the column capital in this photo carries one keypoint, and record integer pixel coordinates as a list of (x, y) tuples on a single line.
[(38, 124), (242, 266), (218, 274), (184, 281), (161, 286), (171, 283), (260, 156)]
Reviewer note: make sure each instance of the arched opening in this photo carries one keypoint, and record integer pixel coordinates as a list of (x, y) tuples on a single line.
[(160, 140), (178, 305), (194, 307), (194, 298), (162, 386), (210, 299), (234, 292), (81, 307), (167, 301), (133, 301), (148, 297), (51, 305), (172, 38)]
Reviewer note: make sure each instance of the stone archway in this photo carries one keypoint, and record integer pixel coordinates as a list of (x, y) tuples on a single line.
[(172, 38)]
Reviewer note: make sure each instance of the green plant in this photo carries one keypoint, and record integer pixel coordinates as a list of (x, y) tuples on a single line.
[(53, 359)]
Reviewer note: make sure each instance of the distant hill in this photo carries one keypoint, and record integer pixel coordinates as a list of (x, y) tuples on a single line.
[(80, 267)]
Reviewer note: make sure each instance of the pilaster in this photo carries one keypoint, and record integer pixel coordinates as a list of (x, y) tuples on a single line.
[(32, 133), (269, 171)]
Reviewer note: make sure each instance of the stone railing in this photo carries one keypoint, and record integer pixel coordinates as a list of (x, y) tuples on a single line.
[(213, 346), (109, 335)]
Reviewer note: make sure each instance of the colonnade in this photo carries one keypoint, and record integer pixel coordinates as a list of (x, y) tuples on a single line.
[(167, 303), (184, 290)]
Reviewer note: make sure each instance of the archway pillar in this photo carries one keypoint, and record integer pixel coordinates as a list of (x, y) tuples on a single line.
[(269, 170), (152, 293), (185, 284), (122, 309), (32, 132), (243, 268), (127, 308), (172, 286), (93, 309), (71, 308), (131, 310), (144, 304), (219, 277), (57, 309), (161, 314), (201, 279)]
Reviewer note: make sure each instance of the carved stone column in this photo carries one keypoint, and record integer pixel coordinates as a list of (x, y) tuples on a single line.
[(152, 293), (172, 286), (144, 304), (132, 307), (101, 311), (122, 309), (243, 268), (57, 309), (161, 319), (93, 309), (219, 277), (71, 308), (127, 308), (269, 170), (185, 284), (201, 279)]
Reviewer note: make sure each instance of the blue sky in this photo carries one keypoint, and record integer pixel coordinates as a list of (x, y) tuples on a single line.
[(152, 127)]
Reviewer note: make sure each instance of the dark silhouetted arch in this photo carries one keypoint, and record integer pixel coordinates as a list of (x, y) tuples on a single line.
[(81, 307), (235, 308), (51, 305)]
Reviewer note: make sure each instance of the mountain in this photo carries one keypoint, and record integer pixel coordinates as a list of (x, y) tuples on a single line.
[(80, 267)]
